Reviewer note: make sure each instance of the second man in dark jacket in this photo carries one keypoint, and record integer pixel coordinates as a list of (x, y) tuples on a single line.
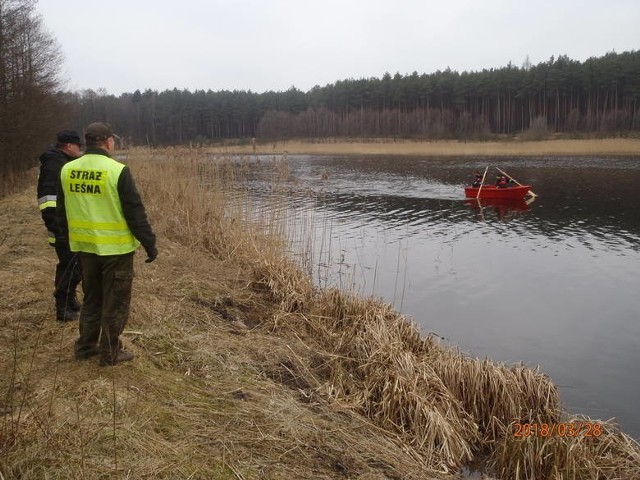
[(68, 147)]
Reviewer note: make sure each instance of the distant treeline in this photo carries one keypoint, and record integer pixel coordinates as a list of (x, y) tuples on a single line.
[(600, 96)]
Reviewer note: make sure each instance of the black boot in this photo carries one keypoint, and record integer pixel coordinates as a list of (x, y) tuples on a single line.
[(120, 356), (64, 312), (73, 303)]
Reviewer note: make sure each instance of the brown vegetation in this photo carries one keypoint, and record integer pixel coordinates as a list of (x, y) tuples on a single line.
[(244, 370), (560, 147)]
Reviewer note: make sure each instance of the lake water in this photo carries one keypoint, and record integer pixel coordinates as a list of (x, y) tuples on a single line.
[(551, 283)]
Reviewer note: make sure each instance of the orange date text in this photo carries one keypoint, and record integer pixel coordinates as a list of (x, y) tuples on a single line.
[(569, 429)]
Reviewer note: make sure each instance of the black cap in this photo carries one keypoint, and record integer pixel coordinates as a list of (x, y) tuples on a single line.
[(98, 131), (68, 136)]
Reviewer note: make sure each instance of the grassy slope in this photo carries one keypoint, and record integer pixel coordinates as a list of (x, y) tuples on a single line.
[(242, 372), (209, 394)]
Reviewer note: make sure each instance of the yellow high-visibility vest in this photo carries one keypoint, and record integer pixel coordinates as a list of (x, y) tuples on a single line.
[(94, 212)]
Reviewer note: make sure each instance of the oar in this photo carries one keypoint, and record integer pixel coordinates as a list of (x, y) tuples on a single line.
[(482, 183), (530, 192)]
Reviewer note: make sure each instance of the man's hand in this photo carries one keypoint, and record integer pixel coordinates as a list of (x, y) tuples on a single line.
[(152, 254)]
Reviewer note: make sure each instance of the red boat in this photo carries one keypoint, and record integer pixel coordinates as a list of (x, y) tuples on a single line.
[(491, 191), (500, 204)]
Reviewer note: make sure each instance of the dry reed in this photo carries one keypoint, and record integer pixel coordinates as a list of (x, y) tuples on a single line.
[(385, 146)]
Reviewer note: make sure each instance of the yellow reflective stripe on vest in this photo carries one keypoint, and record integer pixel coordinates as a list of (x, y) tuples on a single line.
[(99, 225), (47, 201), (96, 239)]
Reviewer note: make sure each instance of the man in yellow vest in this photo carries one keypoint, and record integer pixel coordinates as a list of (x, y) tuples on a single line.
[(101, 215)]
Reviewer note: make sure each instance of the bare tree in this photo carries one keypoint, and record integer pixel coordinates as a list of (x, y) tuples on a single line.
[(29, 64)]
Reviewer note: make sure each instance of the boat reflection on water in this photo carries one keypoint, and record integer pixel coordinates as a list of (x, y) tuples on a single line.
[(503, 209)]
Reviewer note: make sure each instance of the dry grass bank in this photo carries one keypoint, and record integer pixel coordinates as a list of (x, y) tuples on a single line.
[(244, 370), (560, 147)]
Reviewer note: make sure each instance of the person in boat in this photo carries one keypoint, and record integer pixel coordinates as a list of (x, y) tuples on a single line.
[(501, 181), (477, 181)]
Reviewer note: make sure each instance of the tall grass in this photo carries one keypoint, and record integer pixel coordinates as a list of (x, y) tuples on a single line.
[(205, 206), (506, 147)]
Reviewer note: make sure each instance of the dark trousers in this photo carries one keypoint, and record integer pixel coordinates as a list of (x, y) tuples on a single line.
[(107, 282), (68, 275)]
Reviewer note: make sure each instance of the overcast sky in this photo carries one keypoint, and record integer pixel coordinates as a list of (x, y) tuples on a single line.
[(261, 45)]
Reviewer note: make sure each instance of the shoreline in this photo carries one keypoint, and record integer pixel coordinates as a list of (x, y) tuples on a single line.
[(386, 146)]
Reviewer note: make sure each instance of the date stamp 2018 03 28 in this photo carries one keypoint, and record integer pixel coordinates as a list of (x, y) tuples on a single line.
[(568, 429)]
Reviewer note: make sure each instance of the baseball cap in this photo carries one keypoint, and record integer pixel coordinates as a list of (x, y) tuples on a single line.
[(98, 131), (68, 136)]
